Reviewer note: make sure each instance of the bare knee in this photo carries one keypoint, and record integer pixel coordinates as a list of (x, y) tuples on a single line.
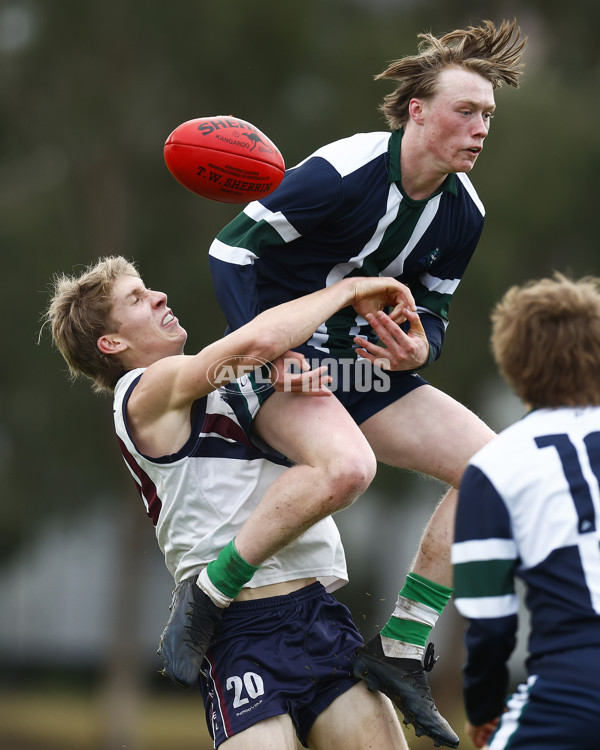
[(347, 477), (356, 720)]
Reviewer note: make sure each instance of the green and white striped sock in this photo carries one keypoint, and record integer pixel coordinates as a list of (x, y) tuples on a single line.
[(418, 607)]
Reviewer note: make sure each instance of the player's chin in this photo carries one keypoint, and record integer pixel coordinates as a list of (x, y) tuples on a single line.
[(466, 163)]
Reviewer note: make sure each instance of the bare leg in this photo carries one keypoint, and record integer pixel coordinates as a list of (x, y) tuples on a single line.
[(431, 433), (432, 559), (275, 733), (358, 720), (334, 465)]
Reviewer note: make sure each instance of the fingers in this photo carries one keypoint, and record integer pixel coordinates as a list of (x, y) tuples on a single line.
[(297, 359), (309, 383), (407, 301), (403, 296), (399, 313), (390, 335), (404, 350), (416, 327), (379, 359), (390, 332), (378, 293), (387, 329)]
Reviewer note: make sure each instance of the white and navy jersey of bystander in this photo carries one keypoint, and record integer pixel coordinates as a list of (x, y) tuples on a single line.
[(529, 508)]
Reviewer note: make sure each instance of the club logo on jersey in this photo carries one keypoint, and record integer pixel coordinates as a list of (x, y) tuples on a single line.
[(428, 260)]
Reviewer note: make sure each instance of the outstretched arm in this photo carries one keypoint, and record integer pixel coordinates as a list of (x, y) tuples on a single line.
[(174, 383), (304, 200)]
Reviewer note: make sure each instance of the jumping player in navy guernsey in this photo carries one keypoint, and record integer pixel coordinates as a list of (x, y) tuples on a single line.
[(528, 508), (393, 203), (189, 450)]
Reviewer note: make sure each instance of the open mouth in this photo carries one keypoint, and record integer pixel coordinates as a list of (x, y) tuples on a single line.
[(168, 318)]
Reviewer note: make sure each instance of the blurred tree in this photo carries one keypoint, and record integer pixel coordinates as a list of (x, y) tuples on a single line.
[(90, 91), (88, 94)]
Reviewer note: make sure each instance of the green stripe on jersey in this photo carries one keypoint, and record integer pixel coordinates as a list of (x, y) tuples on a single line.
[(397, 235), (484, 578), (235, 234), (434, 301)]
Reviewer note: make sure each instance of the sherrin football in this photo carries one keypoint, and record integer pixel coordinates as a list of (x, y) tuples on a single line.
[(224, 158)]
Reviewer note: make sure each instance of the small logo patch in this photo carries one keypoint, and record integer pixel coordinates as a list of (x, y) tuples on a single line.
[(431, 258)]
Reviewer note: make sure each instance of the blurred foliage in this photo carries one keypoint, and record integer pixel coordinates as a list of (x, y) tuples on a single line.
[(90, 91)]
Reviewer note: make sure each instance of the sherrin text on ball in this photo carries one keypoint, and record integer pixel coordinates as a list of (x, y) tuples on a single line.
[(224, 158)]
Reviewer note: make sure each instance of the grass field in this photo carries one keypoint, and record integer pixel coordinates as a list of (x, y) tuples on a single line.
[(81, 720), (67, 721)]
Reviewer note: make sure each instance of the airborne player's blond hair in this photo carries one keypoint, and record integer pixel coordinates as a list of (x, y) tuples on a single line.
[(494, 53)]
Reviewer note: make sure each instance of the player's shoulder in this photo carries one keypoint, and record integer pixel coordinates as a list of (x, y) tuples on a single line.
[(505, 446), (516, 443), (156, 389), (467, 190), (574, 421), (348, 154), (126, 381)]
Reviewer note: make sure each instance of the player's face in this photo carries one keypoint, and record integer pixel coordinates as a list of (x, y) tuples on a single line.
[(144, 322), (457, 119)]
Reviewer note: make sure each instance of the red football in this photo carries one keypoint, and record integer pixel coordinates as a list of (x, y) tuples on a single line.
[(224, 158)]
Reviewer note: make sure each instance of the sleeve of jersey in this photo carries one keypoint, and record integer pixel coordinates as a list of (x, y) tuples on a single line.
[(306, 196), (484, 556), (434, 290), (435, 330)]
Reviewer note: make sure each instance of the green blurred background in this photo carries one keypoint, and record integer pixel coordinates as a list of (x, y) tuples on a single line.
[(89, 91)]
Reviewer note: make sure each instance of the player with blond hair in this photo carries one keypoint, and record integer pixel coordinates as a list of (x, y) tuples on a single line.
[(395, 203), (280, 659)]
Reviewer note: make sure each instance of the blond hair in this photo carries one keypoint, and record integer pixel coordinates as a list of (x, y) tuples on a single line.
[(546, 341), (494, 53), (79, 313)]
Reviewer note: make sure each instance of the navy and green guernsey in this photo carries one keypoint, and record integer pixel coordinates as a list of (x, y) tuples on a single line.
[(342, 212), (529, 509)]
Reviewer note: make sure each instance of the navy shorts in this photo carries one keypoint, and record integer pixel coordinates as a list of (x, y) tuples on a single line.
[(558, 708), (363, 388), (285, 654)]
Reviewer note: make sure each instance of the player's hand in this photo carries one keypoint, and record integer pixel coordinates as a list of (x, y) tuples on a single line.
[(399, 350), (480, 734), (293, 375), (372, 294)]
